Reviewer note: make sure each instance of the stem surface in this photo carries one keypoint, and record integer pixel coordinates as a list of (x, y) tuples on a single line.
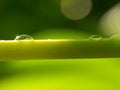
[(59, 49)]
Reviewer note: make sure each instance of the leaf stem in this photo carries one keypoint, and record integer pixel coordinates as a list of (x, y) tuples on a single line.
[(59, 49)]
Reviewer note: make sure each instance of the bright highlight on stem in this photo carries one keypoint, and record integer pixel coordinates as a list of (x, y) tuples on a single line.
[(59, 49)]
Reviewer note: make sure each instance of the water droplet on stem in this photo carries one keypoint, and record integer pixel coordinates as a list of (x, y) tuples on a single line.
[(115, 37), (95, 37), (24, 37)]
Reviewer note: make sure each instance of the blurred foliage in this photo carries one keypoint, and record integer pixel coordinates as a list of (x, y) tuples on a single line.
[(43, 19), (29, 17), (86, 74)]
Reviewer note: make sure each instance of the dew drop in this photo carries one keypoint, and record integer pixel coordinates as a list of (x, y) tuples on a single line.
[(24, 37), (95, 37), (115, 37)]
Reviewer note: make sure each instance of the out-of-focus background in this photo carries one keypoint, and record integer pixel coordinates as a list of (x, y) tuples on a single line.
[(60, 19)]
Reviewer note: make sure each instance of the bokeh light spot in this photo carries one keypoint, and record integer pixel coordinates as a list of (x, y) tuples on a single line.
[(76, 9), (110, 23)]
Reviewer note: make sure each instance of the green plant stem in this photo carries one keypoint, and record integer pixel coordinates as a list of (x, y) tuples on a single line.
[(59, 49)]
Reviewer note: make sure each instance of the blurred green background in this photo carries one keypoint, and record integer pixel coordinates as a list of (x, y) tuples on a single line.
[(59, 19)]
